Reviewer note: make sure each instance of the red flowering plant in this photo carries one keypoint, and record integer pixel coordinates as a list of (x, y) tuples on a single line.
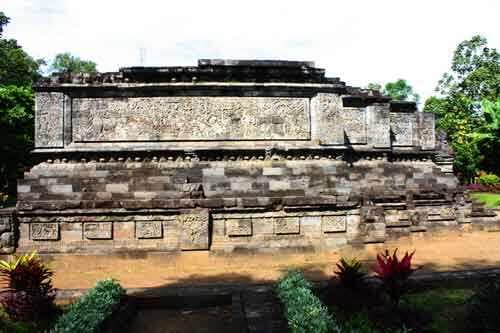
[(394, 273)]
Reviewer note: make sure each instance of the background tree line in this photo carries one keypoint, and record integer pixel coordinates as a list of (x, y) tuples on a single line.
[(467, 107)]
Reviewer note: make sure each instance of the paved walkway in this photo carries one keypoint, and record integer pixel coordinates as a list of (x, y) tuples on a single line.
[(443, 252)]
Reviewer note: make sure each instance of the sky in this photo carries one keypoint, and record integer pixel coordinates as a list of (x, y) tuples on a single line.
[(358, 41)]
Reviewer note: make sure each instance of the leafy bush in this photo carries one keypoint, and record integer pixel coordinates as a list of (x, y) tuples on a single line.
[(350, 273), (394, 273), (483, 309), (29, 295), (303, 310), (488, 178), (90, 311)]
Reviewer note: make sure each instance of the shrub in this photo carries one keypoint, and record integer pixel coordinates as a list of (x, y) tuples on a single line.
[(89, 312), (350, 273), (482, 309), (29, 295), (303, 310), (488, 179), (394, 273)]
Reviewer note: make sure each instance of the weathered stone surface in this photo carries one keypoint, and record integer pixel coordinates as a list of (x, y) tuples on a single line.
[(188, 118), (331, 129), (148, 229), (49, 119), (98, 230), (286, 225), (194, 230), (239, 227), (278, 154), (334, 223), (354, 120), (44, 231), (402, 128), (427, 130)]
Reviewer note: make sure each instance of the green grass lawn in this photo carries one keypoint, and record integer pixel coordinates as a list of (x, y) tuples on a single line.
[(491, 200), (446, 306)]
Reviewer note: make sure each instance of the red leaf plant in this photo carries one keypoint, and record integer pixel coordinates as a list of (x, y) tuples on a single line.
[(394, 273), (29, 295)]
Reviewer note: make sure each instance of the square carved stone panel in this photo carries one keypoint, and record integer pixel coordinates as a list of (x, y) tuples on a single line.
[(98, 230), (148, 229), (286, 225), (239, 227), (402, 129), (333, 223), (44, 231), (194, 230)]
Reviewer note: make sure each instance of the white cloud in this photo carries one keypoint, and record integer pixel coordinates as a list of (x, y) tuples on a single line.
[(360, 41)]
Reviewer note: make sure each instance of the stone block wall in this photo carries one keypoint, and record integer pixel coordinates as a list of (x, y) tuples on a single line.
[(230, 156), (232, 203)]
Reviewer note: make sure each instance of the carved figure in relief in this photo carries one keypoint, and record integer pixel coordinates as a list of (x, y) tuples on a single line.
[(190, 118)]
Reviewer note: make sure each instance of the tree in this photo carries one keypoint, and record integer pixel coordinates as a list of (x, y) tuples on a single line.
[(68, 63), (374, 86), (400, 90), (468, 94), (475, 71), (16, 66), (18, 71)]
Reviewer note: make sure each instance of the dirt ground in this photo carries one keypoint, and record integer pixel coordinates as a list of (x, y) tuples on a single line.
[(441, 252)]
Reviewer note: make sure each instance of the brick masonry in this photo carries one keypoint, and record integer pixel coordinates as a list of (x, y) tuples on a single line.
[(145, 163)]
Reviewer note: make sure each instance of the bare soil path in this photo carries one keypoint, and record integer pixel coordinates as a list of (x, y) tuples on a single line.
[(441, 252)]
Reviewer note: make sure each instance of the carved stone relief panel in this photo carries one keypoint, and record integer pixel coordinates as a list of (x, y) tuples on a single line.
[(333, 223), (44, 231), (49, 108), (190, 118), (378, 125), (330, 122), (148, 229), (239, 227), (98, 230), (354, 120), (286, 225), (402, 128), (427, 134), (194, 230)]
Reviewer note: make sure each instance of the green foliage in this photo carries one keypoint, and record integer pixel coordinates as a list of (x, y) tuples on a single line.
[(16, 66), (483, 309), (18, 71), (359, 323), (400, 90), (491, 200), (16, 126), (446, 306), (488, 179), (68, 63), (468, 109), (303, 310), (374, 86), (350, 273), (475, 71), (89, 312)]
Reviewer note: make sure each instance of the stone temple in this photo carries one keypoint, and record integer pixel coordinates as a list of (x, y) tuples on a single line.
[(230, 155)]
